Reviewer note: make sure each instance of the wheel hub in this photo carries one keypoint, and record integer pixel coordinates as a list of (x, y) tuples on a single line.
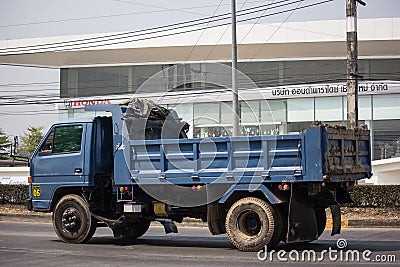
[(249, 223), (71, 219)]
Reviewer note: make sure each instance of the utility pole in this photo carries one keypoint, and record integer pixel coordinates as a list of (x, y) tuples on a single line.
[(235, 93), (352, 62)]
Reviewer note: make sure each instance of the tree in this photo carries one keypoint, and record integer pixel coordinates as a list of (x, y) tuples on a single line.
[(31, 139), (4, 141)]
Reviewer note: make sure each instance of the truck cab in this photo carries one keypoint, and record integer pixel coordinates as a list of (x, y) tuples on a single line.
[(71, 155)]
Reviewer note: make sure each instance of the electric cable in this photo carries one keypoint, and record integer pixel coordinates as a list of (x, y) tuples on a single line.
[(162, 31)]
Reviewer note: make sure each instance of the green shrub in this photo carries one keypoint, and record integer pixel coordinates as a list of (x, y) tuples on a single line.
[(15, 194), (379, 196)]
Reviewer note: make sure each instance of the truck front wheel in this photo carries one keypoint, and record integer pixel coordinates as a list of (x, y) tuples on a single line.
[(72, 220), (251, 224)]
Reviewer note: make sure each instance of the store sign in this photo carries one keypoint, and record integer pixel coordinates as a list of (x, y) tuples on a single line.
[(82, 103), (283, 92), (322, 90)]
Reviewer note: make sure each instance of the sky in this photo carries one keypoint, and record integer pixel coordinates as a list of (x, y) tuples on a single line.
[(44, 18)]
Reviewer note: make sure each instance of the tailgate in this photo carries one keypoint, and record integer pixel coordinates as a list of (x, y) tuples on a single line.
[(347, 153)]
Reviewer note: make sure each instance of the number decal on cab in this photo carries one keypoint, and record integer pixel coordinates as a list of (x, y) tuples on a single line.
[(36, 191)]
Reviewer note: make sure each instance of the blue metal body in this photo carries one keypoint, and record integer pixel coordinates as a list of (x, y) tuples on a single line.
[(241, 163)]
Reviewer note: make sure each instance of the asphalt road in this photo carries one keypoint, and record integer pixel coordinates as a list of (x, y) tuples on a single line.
[(35, 244)]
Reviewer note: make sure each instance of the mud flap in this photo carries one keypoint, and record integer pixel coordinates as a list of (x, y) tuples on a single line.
[(336, 218), (302, 223), (216, 218)]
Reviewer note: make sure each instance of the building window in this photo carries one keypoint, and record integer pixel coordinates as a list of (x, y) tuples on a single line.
[(206, 120), (386, 107), (386, 139), (300, 109), (329, 109)]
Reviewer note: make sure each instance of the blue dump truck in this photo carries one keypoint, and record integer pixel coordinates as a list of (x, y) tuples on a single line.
[(137, 165)]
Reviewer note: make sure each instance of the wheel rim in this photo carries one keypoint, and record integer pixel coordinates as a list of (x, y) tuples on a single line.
[(249, 223), (71, 220)]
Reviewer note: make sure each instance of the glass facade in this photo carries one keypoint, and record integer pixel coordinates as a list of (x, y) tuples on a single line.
[(294, 115), (380, 112), (100, 81)]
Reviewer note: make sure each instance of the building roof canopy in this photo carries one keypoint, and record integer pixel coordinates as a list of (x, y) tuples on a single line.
[(295, 40)]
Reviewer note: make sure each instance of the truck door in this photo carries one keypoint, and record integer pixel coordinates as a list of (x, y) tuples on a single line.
[(60, 161)]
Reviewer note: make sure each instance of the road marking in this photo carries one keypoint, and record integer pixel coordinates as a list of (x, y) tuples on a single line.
[(329, 223)]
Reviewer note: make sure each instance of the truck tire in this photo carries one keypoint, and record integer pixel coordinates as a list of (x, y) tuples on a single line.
[(136, 229), (72, 220), (320, 215), (251, 224)]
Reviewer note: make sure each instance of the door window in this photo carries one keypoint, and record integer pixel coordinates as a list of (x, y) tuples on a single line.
[(63, 139)]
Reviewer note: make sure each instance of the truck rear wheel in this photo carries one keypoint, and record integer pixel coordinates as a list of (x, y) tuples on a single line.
[(131, 232), (138, 229), (251, 224), (72, 220)]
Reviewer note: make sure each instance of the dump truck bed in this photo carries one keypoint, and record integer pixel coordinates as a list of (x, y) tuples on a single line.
[(319, 154)]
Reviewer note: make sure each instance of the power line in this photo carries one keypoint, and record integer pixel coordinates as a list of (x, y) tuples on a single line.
[(191, 7), (277, 29), (201, 35), (193, 30), (309, 63), (174, 93), (186, 31), (29, 113), (155, 30), (30, 90), (101, 17), (133, 32), (221, 36), (28, 110), (28, 84), (312, 64), (186, 10), (264, 72), (254, 25)]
